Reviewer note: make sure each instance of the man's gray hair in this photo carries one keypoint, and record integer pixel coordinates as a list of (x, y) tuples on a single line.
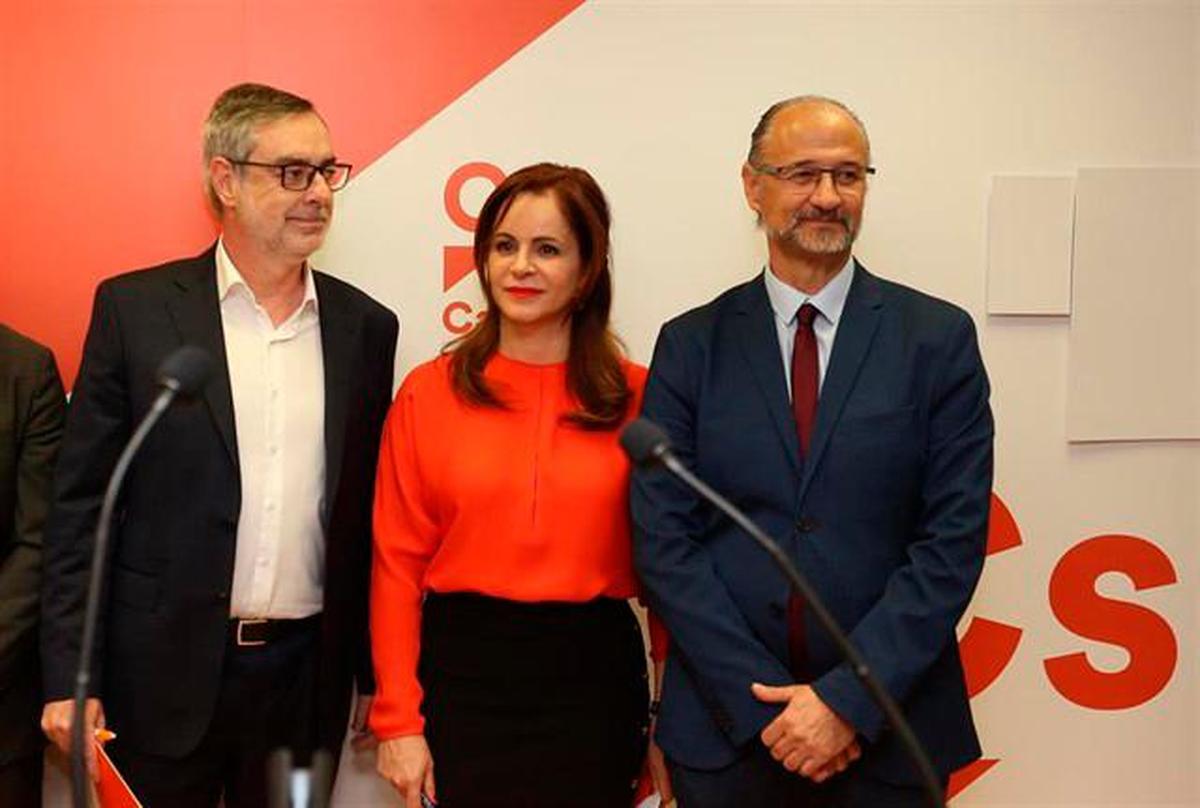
[(237, 112), (764, 123)]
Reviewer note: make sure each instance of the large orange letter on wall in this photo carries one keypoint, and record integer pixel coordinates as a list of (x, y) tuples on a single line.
[(1147, 637)]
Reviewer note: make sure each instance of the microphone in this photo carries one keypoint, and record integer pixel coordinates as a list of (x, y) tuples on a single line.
[(185, 371), (645, 442), (647, 445), (181, 375)]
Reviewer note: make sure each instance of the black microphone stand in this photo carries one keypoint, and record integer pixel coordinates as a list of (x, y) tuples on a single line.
[(184, 372), (929, 780), (91, 612)]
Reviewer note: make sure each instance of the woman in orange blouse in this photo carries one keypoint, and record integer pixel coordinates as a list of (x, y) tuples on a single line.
[(510, 668)]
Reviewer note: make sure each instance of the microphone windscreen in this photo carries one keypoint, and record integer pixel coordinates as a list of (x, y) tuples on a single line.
[(644, 441), (186, 370)]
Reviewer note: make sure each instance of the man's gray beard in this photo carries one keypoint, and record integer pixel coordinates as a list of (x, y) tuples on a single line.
[(817, 242)]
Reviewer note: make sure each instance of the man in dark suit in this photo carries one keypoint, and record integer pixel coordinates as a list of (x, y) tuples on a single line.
[(235, 616), (849, 417), (32, 411)]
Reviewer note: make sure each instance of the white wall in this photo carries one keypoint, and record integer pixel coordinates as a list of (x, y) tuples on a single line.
[(657, 99)]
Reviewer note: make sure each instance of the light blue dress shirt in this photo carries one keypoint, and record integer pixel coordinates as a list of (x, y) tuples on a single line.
[(829, 302)]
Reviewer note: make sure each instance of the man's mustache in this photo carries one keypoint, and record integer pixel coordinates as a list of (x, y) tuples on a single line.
[(801, 218)]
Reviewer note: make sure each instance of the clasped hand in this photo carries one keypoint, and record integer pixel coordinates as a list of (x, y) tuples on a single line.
[(807, 737)]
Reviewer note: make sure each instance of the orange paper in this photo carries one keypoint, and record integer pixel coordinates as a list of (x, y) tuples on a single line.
[(111, 790)]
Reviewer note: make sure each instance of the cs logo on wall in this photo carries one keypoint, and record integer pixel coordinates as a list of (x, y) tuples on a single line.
[(987, 646), (459, 315)]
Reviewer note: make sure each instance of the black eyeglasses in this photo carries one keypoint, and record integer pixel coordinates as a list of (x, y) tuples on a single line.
[(299, 176), (806, 177)]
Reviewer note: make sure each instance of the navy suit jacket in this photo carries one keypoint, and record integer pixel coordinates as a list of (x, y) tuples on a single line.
[(165, 619), (887, 516)]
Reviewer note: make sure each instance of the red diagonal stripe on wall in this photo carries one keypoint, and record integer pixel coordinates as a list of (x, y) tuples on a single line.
[(103, 103)]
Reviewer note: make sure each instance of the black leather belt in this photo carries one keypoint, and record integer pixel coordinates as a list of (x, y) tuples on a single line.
[(249, 632)]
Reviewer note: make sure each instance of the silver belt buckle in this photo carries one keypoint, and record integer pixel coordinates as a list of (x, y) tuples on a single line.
[(249, 643)]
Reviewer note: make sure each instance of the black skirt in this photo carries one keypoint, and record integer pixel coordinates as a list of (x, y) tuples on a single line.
[(533, 705)]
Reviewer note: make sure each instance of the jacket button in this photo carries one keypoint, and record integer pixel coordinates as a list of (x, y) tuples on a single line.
[(806, 524)]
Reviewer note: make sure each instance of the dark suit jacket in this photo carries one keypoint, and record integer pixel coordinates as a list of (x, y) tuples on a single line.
[(887, 516), (163, 628), (32, 411)]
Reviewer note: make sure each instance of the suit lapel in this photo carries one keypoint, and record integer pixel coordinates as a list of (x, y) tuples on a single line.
[(197, 315), (339, 336), (860, 320), (759, 342)]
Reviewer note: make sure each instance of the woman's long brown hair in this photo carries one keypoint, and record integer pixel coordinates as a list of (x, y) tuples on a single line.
[(594, 375)]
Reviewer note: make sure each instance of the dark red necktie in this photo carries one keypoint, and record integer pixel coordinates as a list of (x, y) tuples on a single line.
[(804, 374), (805, 381)]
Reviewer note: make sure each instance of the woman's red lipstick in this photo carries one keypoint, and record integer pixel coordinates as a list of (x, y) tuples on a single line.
[(522, 291)]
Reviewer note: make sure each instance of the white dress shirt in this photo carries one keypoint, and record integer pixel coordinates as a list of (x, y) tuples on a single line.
[(277, 377), (829, 302)]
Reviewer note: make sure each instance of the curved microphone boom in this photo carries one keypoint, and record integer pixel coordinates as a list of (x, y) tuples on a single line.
[(181, 375), (647, 444)]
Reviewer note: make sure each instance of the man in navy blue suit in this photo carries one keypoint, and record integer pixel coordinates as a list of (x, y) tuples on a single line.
[(849, 417)]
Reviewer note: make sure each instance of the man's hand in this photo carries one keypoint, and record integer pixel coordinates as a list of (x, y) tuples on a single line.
[(56, 723), (807, 737), (838, 764), (405, 762), (361, 737)]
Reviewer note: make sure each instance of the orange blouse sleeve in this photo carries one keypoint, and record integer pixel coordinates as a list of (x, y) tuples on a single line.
[(406, 538)]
